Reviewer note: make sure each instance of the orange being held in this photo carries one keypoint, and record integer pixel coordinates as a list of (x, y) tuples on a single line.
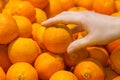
[(104, 6), (63, 75), (89, 69), (8, 29), (2, 74), (57, 38), (22, 8), (4, 60), (23, 49), (21, 71), (24, 26), (47, 64)]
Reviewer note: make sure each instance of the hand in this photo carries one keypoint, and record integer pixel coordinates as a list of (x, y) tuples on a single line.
[(101, 29)]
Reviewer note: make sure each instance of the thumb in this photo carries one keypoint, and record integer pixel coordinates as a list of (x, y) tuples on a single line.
[(76, 45)]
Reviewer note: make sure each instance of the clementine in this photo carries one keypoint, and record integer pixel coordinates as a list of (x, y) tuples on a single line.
[(8, 29), (24, 26), (114, 59), (47, 64), (116, 14), (37, 34), (39, 3), (22, 8), (23, 49), (89, 69), (88, 4), (111, 46), (57, 38), (117, 5), (98, 53), (74, 58), (2, 74), (63, 75), (104, 6), (40, 15), (77, 9), (21, 71), (53, 8), (116, 78)]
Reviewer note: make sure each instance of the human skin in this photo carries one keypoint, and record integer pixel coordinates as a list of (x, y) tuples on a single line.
[(102, 29)]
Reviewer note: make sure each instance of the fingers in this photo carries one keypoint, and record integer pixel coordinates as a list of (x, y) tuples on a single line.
[(50, 22), (65, 18), (79, 44)]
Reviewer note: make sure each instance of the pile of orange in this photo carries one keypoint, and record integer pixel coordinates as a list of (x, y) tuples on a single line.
[(30, 51)]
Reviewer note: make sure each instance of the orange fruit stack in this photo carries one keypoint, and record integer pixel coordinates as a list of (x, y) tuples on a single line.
[(30, 51)]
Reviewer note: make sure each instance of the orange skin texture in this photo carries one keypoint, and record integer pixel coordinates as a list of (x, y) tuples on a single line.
[(8, 29), (21, 71), (47, 64)]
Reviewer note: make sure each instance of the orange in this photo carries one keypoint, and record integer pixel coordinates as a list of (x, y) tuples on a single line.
[(77, 9), (10, 3), (116, 14), (40, 15), (53, 8), (74, 58), (73, 29), (22, 8), (88, 4), (71, 26), (114, 59), (8, 29), (39, 3), (98, 53), (2, 74), (111, 46), (63, 75), (104, 6), (110, 74), (82, 34), (35, 27), (37, 34), (66, 4), (89, 69), (4, 60), (116, 78), (79, 35), (2, 4), (117, 5), (57, 38), (23, 49), (47, 64), (24, 26), (21, 71)]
